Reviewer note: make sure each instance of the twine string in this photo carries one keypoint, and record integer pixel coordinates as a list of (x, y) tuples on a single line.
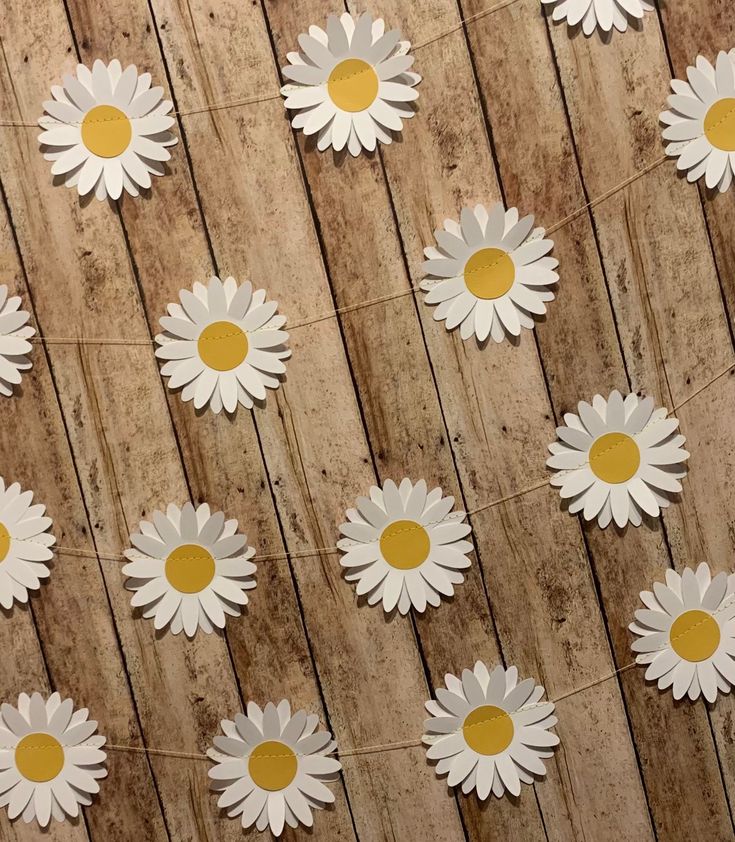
[(392, 746), (236, 103), (378, 748), (368, 749), (460, 515), (252, 100), (349, 308)]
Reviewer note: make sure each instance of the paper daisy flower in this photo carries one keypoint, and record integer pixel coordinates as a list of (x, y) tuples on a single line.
[(50, 759), (106, 130), (490, 272), (189, 569), (404, 546), (272, 768), (14, 345), (24, 544), (617, 459), (599, 14), (223, 344), (351, 85), (489, 732), (700, 125), (687, 633)]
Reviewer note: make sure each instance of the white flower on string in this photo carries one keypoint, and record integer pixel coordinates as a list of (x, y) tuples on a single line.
[(489, 732), (273, 768), (107, 130), (351, 86)]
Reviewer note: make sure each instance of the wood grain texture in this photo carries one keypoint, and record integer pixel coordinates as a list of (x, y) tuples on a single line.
[(512, 107)]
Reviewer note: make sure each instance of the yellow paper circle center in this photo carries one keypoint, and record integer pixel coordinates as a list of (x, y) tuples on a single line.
[(489, 273), (222, 346), (719, 124), (488, 730), (106, 131), (353, 85), (405, 544), (190, 568), (4, 541), (39, 757), (272, 765), (614, 457), (695, 635)]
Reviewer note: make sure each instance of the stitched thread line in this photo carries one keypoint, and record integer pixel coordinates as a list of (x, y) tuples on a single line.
[(434, 281), (480, 268), (486, 265), (349, 76), (87, 122), (201, 557), (459, 515), (557, 474), (615, 446), (691, 628), (49, 745), (727, 116), (710, 615), (222, 336), (52, 122), (415, 528)]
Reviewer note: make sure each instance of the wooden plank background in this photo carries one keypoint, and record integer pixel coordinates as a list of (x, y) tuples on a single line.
[(512, 108)]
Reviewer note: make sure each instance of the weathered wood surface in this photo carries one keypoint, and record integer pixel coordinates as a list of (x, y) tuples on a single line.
[(511, 107)]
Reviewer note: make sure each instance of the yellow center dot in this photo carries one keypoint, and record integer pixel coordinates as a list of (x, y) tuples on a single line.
[(614, 457), (719, 124), (39, 757), (695, 635), (222, 346), (4, 541), (488, 730), (353, 85), (190, 568), (405, 544), (272, 765), (106, 131), (489, 273)]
